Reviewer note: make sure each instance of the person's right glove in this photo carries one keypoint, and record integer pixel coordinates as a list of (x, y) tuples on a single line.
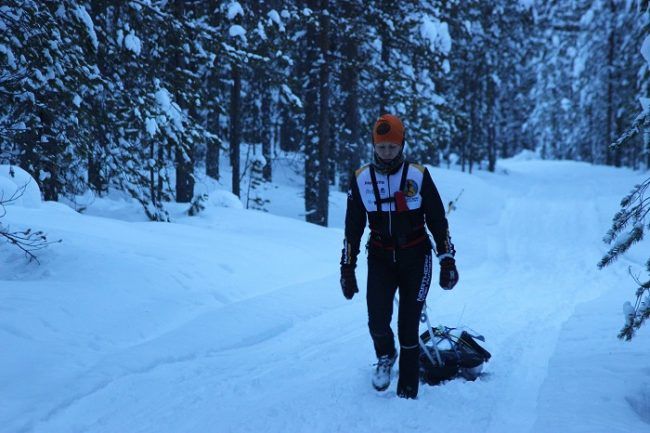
[(348, 281), (448, 273)]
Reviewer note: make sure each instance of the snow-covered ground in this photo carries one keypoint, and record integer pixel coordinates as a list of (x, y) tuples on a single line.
[(233, 321)]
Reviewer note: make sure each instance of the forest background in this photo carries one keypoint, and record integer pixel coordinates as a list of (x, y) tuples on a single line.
[(139, 96)]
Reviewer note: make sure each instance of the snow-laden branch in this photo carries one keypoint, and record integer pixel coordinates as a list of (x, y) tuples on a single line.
[(642, 120)]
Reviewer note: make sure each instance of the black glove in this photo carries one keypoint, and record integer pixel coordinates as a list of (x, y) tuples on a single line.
[(448, 273), (348, 281)]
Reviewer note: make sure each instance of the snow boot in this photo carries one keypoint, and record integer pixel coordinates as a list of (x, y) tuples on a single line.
[(409, 372), (381, 378)]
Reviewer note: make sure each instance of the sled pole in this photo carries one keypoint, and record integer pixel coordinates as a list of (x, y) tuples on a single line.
[(431, 336), (426, 351)]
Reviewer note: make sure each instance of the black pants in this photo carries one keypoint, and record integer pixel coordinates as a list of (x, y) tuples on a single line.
[(409, 270)]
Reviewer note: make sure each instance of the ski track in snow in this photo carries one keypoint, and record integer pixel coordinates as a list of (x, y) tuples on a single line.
[(298, 358), (147, 357)]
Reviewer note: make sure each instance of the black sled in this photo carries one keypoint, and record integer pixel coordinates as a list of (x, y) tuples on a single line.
[(445, 355)]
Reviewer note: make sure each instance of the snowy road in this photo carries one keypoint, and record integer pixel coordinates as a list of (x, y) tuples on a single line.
[(296, 357)]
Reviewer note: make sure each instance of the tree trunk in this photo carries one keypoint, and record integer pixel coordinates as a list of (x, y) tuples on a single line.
[(267, 136), (212, 159), (350, 152), (214, 103), (385, 57), (311, 138), (152, 176), (505, 140), (289, 140), (235, 125), (50, 185), (97, 150), (609, 130), (184, 152), (158, 170), (323, 123), (95, 179), (474, 119), (51, 150), (184, 178), (213, 151), (491, 139)]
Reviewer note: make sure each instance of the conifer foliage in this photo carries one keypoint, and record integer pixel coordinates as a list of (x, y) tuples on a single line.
[(142, 96), (629, 226), (631, 223), (139, 97)]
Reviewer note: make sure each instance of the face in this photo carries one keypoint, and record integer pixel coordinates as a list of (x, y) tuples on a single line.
[(387, 151)]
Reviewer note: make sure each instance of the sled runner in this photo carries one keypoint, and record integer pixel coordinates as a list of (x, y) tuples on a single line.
[(446, 353)]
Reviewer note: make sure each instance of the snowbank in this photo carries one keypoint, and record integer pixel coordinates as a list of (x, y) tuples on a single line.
[(18, 184), (156, 327), (526, 155)]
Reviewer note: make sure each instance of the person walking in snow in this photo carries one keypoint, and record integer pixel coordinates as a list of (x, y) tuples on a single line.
[(398, 199)]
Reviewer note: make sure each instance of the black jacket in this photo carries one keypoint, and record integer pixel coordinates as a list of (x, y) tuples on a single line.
[(394, 226)]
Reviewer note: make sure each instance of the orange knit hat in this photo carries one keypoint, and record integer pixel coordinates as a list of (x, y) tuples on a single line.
[(388, 128)]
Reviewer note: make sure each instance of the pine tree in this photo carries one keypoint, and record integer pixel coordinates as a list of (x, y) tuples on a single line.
[(558, 30), (253, 69), (48, 82), (310, 103), (265, 86), (631, 222), (347, 131), (157, 56), (628, 228), (423, 56)]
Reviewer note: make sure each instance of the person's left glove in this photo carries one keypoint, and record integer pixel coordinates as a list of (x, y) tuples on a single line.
[(448, 273), (348, 281)]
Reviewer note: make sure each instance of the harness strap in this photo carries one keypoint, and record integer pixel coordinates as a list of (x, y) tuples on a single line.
[(391, 247), (415, 237), (405, 171), (375, 188), (416, 228)]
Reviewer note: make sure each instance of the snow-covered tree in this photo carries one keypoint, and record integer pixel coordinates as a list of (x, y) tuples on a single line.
[(585, 81), (136, 95), (316, 102), (47, 82), (632, 221), (628, 228), (257, 184), (486, 88)]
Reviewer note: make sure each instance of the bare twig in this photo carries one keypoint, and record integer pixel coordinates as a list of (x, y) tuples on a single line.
[(27, 240), (452, 204)]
